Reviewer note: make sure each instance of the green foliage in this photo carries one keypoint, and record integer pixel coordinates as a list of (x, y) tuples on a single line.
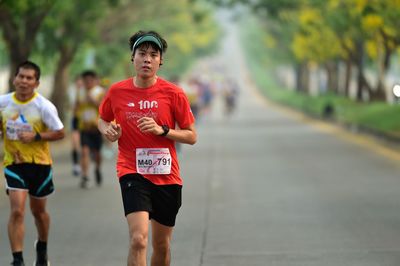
[(377, 116), (103, 27), (70, 24), (21, 8), (380, 117), (189, 29), (320, 30), (3, 56)]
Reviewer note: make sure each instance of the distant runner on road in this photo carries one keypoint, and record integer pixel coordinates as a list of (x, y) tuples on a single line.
[(75, 135), (90, 137), (141, 113), (29, 122)]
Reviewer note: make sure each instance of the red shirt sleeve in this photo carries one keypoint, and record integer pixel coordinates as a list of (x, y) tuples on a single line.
[(105, 109), (183, 114)]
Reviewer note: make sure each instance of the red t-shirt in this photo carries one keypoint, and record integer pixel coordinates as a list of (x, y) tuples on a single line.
[(166, 103)]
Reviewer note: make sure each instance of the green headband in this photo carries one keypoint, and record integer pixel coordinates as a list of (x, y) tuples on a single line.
[(147, 38)]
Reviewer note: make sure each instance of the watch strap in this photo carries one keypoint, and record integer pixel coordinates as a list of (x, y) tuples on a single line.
[(166, 130)]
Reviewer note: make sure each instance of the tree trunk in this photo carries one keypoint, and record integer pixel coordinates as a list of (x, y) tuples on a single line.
[(18, 53), (20, 42), (302, 77), (379, 94), (332, 73), (383, 65), (362, 83), (305, 77), (16, 57), (347, 78), (61, 78), (298, 77)]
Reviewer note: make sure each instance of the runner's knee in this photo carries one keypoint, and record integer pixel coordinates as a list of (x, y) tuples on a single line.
[(161, 246), (138, 241), (38, 213), (17, 215)]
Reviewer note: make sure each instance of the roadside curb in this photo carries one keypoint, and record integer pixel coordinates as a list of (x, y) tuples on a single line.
[(384, 144), (392, 138), (351, 127)]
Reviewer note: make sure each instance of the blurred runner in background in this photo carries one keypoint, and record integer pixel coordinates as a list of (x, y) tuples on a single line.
[(75, 135), (230, 92), (91, 138), (192, 92)]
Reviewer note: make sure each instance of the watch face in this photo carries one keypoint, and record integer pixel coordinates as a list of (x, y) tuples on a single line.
[(166, 130)]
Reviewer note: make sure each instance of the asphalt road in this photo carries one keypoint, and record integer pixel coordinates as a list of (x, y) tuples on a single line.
[(263, 187)]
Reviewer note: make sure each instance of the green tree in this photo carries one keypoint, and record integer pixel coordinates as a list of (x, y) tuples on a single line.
[(356, 32), (383, 38), (104, 28), (70, 28), (20, 22), (188, 27), (69, 25)]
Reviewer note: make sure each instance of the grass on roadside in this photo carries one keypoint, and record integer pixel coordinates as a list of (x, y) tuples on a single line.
[(376, 116)]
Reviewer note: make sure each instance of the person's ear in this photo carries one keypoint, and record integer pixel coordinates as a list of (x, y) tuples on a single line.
[(161, 62)]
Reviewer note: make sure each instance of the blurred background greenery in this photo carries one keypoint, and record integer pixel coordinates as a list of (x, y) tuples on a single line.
[(339, 58), (336, 59), (67, 37)]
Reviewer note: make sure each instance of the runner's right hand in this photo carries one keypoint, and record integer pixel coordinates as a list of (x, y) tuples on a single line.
[(113, 132)]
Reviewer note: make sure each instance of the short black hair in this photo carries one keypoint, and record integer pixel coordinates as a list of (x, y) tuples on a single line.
[(89, 73), (29, 65), (140, 33)]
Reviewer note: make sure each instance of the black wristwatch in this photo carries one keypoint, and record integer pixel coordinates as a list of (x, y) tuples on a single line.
[(166, 130), (38, 137)]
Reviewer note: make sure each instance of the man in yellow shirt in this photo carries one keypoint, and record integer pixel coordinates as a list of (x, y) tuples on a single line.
[(29, 122)]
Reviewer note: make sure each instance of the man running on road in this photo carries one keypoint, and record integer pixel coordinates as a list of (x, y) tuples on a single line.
[(91, 139), (29, 122), (141, 113)]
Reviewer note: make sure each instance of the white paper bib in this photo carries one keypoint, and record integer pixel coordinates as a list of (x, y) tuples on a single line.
[(13, 128), (153, 161)]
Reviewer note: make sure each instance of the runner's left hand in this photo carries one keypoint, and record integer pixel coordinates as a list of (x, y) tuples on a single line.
[(27, 136)]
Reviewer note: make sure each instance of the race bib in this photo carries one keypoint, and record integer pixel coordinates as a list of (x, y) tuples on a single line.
[(13, 128), (153, 161)]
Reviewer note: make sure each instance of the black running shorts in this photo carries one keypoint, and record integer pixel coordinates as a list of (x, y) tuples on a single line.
[(37, 179), (94, 140), (162, 202), (75, 123)]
